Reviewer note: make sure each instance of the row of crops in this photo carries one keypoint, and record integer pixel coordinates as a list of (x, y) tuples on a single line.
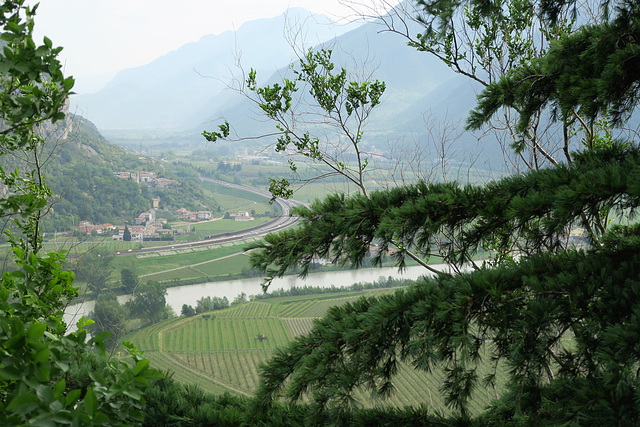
[(222, 350)]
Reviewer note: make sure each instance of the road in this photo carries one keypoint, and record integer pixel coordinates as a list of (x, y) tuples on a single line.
[(281, 222)]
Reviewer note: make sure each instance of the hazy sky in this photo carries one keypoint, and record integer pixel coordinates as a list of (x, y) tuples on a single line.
[(105, 36)]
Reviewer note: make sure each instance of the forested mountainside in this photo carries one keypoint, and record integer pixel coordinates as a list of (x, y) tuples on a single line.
[(80, 166)]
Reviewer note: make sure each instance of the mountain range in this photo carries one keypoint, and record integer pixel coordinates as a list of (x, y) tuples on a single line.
[(187, 90), (180, 89)]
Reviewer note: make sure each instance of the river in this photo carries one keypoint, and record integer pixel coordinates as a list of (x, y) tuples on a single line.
[(190, 294)]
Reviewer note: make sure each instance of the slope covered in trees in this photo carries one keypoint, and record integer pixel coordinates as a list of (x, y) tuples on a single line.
[(78, 164)]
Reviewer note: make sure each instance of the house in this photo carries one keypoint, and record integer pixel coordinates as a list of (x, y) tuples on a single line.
[(144, 177), (191, 216), (204, 215), (145, 217), (123, 175), (88, 227), (160, 221), (316, 260), (164, 183), (137, 232), (579, 237), (242, 216)]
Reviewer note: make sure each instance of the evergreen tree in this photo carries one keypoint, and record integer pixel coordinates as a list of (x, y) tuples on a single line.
[(126, 235), (561, 321)]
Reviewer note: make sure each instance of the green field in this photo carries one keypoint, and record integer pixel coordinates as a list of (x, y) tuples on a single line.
[(221, 350), (199, 230), (233, 200)]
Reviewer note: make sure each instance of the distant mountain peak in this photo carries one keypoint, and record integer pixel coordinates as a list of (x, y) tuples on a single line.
[(167, 92)]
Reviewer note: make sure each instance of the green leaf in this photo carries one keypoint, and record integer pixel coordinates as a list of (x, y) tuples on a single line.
[(45, 393), (42, 372), (73, 396), (23, 403), (90, 402), (102, 337), (84, 322), (101, 418), (59, 388), (42, 356), (37, 330), (45, 422), (10, 373), (133, 393), (140, 366)]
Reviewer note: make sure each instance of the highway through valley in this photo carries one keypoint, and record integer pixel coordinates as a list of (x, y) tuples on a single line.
[(280, 222)]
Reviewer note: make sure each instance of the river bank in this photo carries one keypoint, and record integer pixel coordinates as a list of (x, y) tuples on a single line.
[(190, 294)]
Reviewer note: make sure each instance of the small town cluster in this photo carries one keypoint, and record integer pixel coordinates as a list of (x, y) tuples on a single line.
[(148, 227), (148, 178)]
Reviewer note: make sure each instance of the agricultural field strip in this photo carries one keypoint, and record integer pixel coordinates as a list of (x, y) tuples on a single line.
[(192, 265), (237, 369), (193, 374), (243, 362), (167, 360), (193, 249), (409, 387), (240, 368), (311, 307), (299, 325), (231, 334), (164, 363), (228, 202), (252, 309)]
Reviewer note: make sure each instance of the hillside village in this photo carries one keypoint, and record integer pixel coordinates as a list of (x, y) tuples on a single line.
[(147, 226), (148, 178)]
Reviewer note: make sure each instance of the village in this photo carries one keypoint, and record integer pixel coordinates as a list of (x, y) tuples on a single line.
[(147, 226), (148, 178)]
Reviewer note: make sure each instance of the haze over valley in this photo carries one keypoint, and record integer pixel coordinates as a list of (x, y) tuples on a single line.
[(362, 213)]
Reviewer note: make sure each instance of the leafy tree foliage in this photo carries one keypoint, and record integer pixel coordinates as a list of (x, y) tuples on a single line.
[(95, 268), (109, 315), (149, 301), (594, 70), (545, 316), (187, 310), (560, 321), (129, 279), (205, 304), (341, 107), (37, 352)]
